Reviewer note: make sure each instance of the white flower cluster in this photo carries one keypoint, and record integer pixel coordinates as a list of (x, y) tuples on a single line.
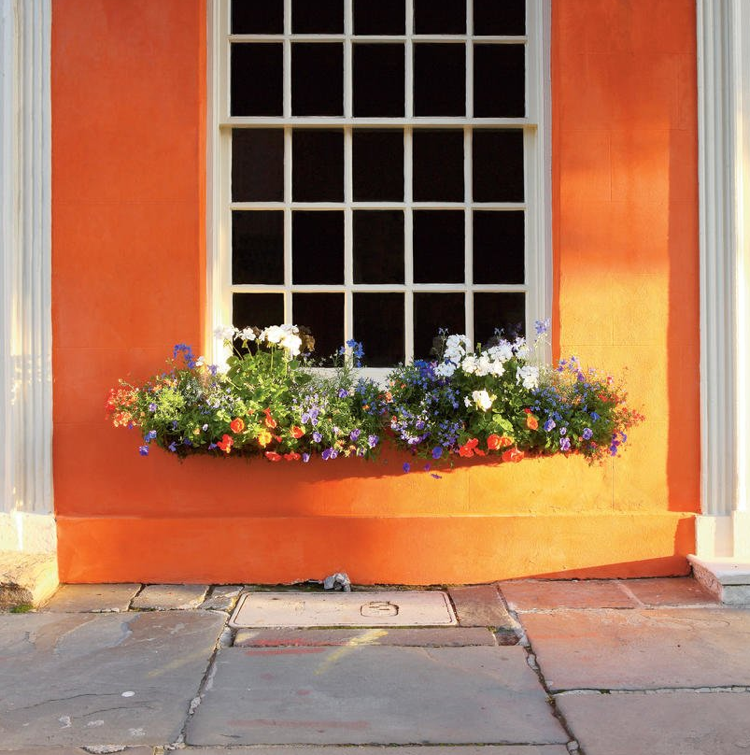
[(483, 400), (286, 336), (489, 362), (528, 376)]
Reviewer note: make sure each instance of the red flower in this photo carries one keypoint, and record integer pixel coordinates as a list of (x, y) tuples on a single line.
[(272, 456), (226, 443), (513, 454), (532, 422), (527, 410), (493, 442), (237, 425), (270, 421), (292, 457), (479, 452), (297, 432), (465, 451), (505, 441)]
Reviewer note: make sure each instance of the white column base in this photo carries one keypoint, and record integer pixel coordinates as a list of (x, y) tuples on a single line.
[(727, 578), (27, 533)]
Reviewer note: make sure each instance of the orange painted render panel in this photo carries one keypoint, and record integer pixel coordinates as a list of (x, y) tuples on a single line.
[(129, 190)]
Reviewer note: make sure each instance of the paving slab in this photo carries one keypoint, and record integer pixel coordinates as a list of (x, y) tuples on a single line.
[(664, 723), (546, 595), (454, 750), (92, 598), (399, 636), (374, 695), (101, 750), (480, 606), (670, 591), (222, 598), (170, 597), (330, 609), (642, 648), (94, 679)]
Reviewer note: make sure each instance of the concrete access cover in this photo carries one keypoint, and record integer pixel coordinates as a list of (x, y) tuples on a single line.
[(397, 608)]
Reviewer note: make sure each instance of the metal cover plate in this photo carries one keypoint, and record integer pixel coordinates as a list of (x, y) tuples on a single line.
[(397, 608)]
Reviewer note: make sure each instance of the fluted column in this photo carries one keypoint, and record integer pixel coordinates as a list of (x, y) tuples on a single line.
[(26, 521)]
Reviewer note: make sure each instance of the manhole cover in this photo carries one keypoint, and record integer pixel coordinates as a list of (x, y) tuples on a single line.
[(408, 608)]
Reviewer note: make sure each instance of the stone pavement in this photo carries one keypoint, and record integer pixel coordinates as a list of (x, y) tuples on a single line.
[(533, 668)]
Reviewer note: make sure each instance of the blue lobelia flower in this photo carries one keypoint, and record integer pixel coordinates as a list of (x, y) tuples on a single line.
[(149, 436), (143, 450), (407, 466), (437, 452), (173, 447)]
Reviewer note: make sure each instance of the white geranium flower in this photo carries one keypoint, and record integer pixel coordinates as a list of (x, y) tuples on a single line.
[(521, 348), (528, 376), (469, 365), (292, 343), (484, 365), (498, 369), (273, 334), (483, 400), (247, 334), (502, 352), (225, 332), (467, 402)]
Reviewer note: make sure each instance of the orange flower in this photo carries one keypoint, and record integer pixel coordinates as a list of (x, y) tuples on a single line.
[(226, 443), (237, 425), (512, 454), (272, 456), (479, 452), (505, 441), (467, 450), (270, 421), (292, 457), (264, 438), (297, 432), (493, 442), (532, 422)]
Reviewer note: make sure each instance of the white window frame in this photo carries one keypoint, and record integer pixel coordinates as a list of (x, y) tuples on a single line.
[(537, 171)]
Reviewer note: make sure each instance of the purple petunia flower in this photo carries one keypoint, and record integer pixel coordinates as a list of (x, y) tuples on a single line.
[(565, 444), (549, 425), (152, 407), (343, 393), (143, 450), (305, 458), (563, 431), (354, 434), (317, 437), (587, 433), (372, 440)]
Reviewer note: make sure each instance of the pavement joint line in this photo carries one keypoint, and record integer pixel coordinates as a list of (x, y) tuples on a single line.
[(138, 592), (643, 607), (552, 702), (736, 689), (517, 627), (638, 602)]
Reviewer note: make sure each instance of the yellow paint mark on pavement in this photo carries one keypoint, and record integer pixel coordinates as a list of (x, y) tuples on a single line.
[(366, 638)]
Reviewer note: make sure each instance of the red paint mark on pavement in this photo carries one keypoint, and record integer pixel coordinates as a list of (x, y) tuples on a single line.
[(285, 651), (300, 724), (303, 691)]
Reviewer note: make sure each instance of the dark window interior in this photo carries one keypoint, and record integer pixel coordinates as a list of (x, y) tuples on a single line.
[(317, 247), (379, 325), (257, 165), (258, 247), (433, 312), (378, 246), (256, 80)]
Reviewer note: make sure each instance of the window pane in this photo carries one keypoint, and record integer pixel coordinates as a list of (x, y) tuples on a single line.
[(252, 17), (440, 16), (317, 79), (380, 17), (378, 80), (257, 247), (438, 246), (499, 18), (378, 165), (379, 326), (499, 63), (257, 165), (257, 309), (499, 247), (256, 87), (378, 246), (318, 166), (317, 247), (498, 166), (324, 315), (503, 312), (433, 312), (440, 79), (438, 166), (316, 17)]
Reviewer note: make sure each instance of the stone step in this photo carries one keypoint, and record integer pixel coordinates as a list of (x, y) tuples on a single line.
[(727, 578), (26, 579)]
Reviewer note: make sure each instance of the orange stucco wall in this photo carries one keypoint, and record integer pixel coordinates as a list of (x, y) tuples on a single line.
[(128, 125)]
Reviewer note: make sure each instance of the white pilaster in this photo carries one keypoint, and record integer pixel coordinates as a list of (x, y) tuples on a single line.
[(723, 530), (25, 277)]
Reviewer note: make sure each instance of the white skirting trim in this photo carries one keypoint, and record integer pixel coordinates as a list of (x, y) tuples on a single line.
[(30, 533)]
